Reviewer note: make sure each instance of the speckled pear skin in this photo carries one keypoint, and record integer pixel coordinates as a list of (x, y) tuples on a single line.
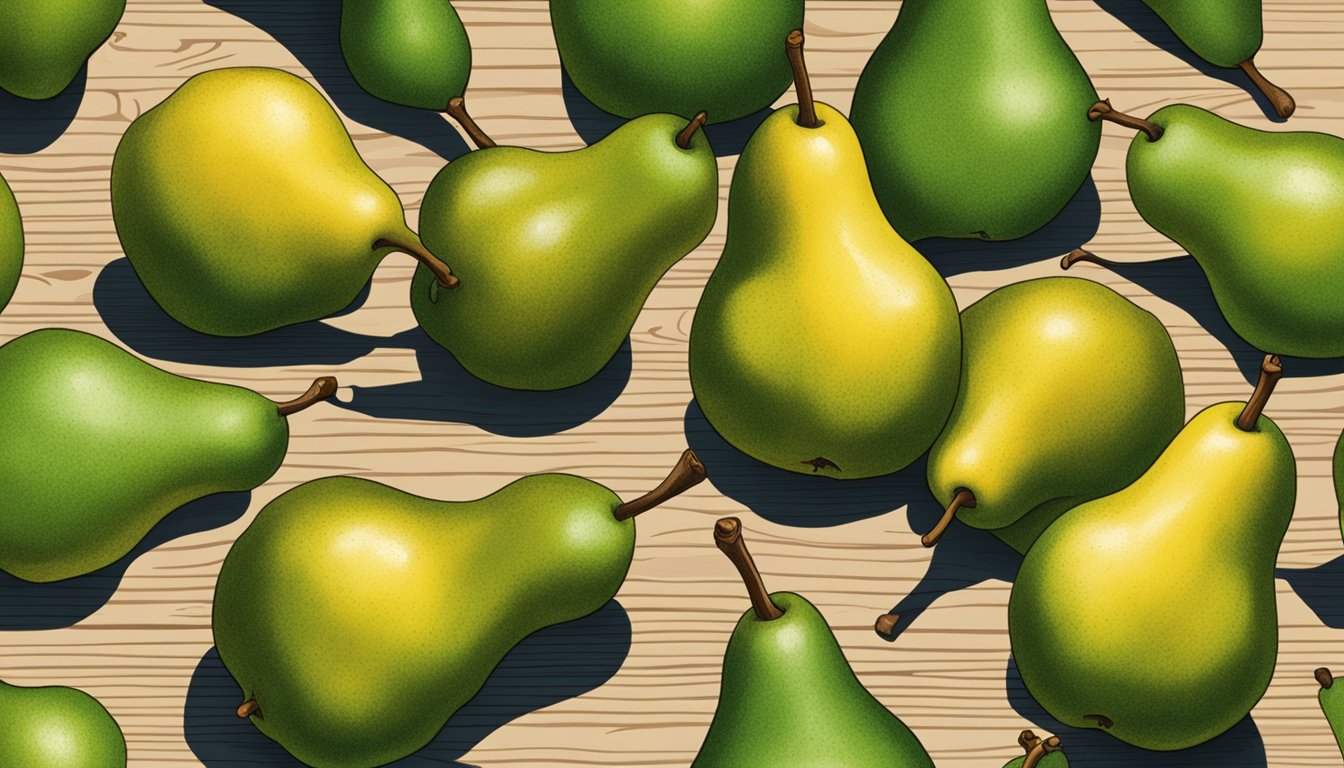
[(634, 58), (1051, 760), (410, 52), (557, 251), (1154, 607), (1068, 392), (1221, 32), (1271, 242), (1338, 466), (789, 699), (99, 446), (1331, 699), (973, 118), (243, 206), (11, 244), (43, 45), (57, 727), (360, 617)]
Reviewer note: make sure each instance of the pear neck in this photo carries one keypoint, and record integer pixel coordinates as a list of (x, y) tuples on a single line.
[(1271, 370), (802, 83), (457, 109), (1102, 110), (728, 538), (687, 474), (321, 389)]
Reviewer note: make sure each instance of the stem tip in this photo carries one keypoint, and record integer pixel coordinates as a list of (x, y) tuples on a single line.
[(886, 624), (688, 473), (249, 708), (963, 500), (728, 538), (322, 388), (1324, 677)]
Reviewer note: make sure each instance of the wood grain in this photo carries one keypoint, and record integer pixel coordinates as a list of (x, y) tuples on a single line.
[(636, 684)]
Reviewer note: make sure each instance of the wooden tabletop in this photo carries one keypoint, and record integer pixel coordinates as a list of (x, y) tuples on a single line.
[(636, 683)]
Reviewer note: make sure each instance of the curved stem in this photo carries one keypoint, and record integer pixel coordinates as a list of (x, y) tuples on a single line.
[(457, 109), (728, 537), (1079, 255), (1271, 370), (1039, 751), (322, 388), (1102, 110), (420, 253), (249, 708), (886, 624), (1101, 720), (688, 473), (807, 108), (697, 122), (963, 499), (1324, 677), (1283, 103)]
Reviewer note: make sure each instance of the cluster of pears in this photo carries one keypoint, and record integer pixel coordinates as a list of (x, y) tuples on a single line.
[(43, 45)]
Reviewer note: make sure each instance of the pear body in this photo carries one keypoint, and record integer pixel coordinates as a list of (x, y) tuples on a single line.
[(360, 617), (243, 206), (11, 244), (558, 251), (410, 52), (721, 56), (1052, 760), (1338, 471), (823, 342), (973, 118), (789, 699), (99, 446), (1260, 212), (1154, 607), (43, 45), (1222, 32), (1331, 700), (1068, 392), (57, 727)]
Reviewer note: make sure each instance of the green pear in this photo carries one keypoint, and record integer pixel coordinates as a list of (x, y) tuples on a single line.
[(789, 698), (98, 446), (635, 58), (559, 250), (971, 116), (1338, 470), (44, 44), (1039, 753), (823, 342), (1068, 393), (57, 727), (1150, 613), (410, 52), (11, 244), (1332, 704), (358, 618), (243, 206)]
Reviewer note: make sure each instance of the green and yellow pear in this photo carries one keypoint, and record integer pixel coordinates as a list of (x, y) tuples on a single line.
[(99, 446), (358, 618), (1068, 393), (1338, 471), (11, 244), (57, 727), (823, 342), (1150, 613), (243, 206), (410, 52), (1039, 753), (1332, 704), (44, 44)]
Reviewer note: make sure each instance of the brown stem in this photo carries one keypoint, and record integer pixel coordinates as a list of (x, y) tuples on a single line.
[(688, 473), (1284, 106), (321, 389), (886, 624), (457, 109), (697, 122), (1078, 255), (420, 253), (728, 536), (249, 708), (1102, 110), (807, 108), (963, 499), (1028, 739), (1039, 751), (1324, 677), (1271, 370), (1101, 720)]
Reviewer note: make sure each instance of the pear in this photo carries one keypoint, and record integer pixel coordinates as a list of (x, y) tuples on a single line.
[(1068, 393), (1332, 704), (98, 446), (1150, 613), (43, 45), (358, 618), (559, 250), (1040, 753), (1338, 471), (57, 727), (823, 343), (789, 698), (11, 244), (410, 52), (243, 206), (970, 113)]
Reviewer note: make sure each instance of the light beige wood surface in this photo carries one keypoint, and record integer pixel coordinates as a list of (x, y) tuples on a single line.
[(946, 674)]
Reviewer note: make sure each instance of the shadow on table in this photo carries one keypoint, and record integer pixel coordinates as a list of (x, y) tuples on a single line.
[(28, 126), (1321, 588), (27, 606), (550, 666)]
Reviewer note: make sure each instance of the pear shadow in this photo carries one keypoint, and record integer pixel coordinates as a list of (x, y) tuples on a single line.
[(550, 666), (1143, 20), (311, 30), (1240, 747), (30, 126), (1321, 588), (1075, 225), (28, 606), (803, 500), (448, 392)]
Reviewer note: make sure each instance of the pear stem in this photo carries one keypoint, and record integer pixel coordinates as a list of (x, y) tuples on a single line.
[(322, 388), (1039, 750), (886, 624), (457, 109), (688, 473), (697, 122), (1028, 739), (728, 537), (1078, 255), (420, 253), (1102, 110), (1271, 370), (1324, 677), (1283, 103), (249, 708), (807, 108), (963, 499)]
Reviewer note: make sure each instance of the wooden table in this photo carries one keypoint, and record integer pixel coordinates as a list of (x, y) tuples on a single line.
[(636, 683)]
